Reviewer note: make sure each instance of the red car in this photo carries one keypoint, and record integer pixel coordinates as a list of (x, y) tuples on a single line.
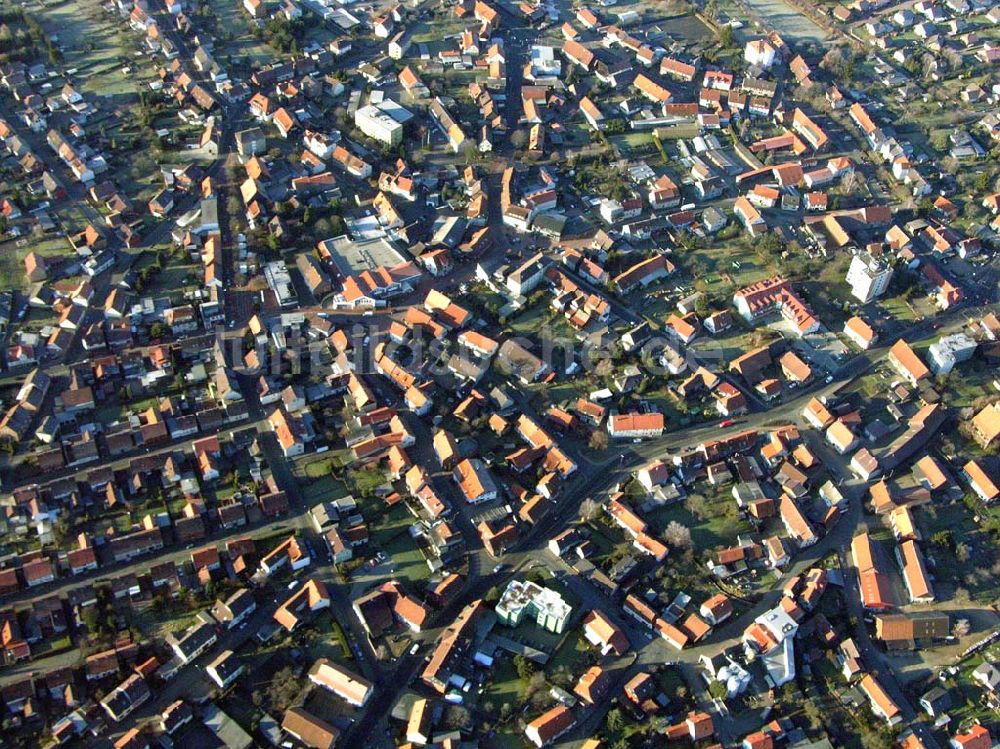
[(726, 423)]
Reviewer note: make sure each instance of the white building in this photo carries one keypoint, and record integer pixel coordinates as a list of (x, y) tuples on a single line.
[(544, 62), (771, 637), (944, 354), (760, 53), (379, 125), (225, 669), (868, 276), (548, 608)]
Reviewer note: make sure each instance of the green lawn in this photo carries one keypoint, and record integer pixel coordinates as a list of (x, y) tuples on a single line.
[(634, 144), (97, 47), (573, 656), (536, 318), (390, 533), (504, 686), (238, 41), (364, 482), (409, 562), (719, 527)]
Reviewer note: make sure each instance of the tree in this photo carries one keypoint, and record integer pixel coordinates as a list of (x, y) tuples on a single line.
[(945, 539), (589, 509), (697, 505), (961, 628), (456, 717), (525, 668), (159, 330), (813, 714), (677, 535), (873, 738), (598, 440), (283, 689), (962, 553), (833, 61), (91, 619), (535, 684), (614, 721), (727, 38), (767, 246), (718, 690)]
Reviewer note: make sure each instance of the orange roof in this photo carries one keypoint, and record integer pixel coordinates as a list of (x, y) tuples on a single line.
[(863, 552), (861, 329), (671, 634), (878, 697), (907, 359), (807, 128), (652, 89), (625, 517), (478, 341), (794, 367), (408, 78), (861, 117), (979, 477), (470, 480), (913, 571), (975, 737), (816, 408), (312, 595), (695, 627), (283, 429), (551, 723), (758, 740), (986, 423), (591, 685), (840, 435), (599, 626), (700, 725), (795, 521), (932, 472), (636, 422), (339, 680), (903, 522)]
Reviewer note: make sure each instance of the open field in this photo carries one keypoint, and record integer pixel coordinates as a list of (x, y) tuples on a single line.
[(98, 46), (792, 24)]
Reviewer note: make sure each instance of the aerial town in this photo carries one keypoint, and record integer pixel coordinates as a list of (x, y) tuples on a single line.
[(590, 374)]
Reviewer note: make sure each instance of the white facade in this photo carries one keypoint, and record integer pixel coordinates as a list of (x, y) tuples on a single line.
[(868, 277), (760, 53), (378, 125), (779, 654), (943, 355)]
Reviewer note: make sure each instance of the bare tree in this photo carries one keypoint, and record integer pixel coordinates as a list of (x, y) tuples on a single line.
[(677, 535), (929, 65), (833, 60), (953, 57), (598, 440), (961, 628), (851, 181), (697, 505), (949, 164), (589, 509)]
